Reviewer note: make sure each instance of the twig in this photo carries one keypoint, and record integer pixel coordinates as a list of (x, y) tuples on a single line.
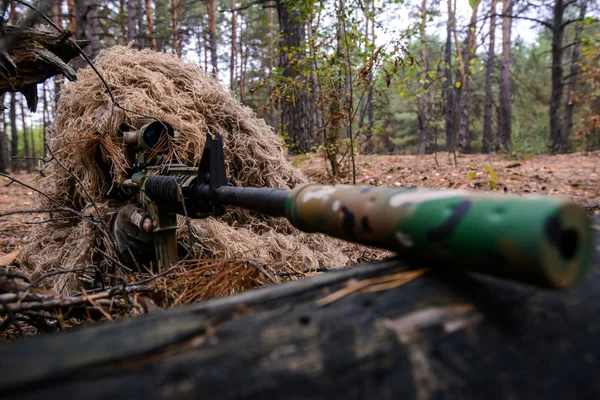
[(56, 202), (111, 258), (12, 274), (68, 301), (62, 271), (87, 193)]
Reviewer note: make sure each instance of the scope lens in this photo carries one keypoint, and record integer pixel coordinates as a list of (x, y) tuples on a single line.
[(155, 134)]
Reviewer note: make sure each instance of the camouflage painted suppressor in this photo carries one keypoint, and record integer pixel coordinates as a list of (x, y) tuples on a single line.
[(545, 241)]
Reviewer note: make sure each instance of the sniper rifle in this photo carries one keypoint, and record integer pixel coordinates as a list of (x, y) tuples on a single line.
[(540, 240)]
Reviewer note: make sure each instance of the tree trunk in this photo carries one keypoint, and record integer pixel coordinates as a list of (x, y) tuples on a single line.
[(347, 77), (44, 120), (150, 19), (504, 122), (123, 22), (556, 145), (14, 144), (450, 90), (140, 37), (131, 21), (25, 139), (242, 77), (421, 102), (86, 14), (58, 79), (314, 83), (232, 61), (570, 101), (73, 29), (486, 146), (295, 111), (212, 36), (370, 106), (4, 156), (442, 336), (271, 64), (72, 18), (464, 139)]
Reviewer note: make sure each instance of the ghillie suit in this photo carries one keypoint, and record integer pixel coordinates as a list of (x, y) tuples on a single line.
[(85, 138)]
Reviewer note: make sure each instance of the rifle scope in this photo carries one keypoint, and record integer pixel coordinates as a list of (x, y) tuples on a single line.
[(151, 136)]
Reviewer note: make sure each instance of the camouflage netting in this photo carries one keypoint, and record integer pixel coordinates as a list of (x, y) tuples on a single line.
[(162, 86)]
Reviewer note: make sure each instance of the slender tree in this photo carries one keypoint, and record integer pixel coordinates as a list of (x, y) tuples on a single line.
[(295, 110), (4, 156), (486, 146), (464, 139), (271, 64), (25, 139), (132, 21), (423, 76), (14, 148), (314, 83), (572, 81), (504, 118), (212, 35), (44, 119), (557, 77), (370, 105), (86, 15), (58, 79), (150, 19), (123, 22), (449, 90), (232, 60)]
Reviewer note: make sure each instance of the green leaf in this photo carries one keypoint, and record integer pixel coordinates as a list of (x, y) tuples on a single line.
[(490, 171), (457, 85), (471, 175), (473, 3)]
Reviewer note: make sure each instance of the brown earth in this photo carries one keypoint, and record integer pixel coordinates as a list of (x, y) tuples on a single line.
[(14, 227), (575, 175)]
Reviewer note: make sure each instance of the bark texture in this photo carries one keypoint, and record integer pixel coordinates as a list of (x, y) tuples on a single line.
[(443, 335), (25, 139), (131, 21), (421, 102), (14, 134), (87, 28), (504, 119), (572, 82), (487, 143), (464, 137), (558, 33), (5, 163), (150, 19), (295, 110), (450, 91), (212, 36), (232, 60), (36, 56)]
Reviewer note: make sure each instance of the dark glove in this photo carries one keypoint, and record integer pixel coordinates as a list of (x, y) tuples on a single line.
[(132, 230)]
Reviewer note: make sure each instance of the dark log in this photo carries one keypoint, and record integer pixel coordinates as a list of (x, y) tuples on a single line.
[(440, 336), (36, 56)]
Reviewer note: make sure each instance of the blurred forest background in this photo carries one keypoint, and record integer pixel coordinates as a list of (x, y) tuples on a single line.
[(346, 77)]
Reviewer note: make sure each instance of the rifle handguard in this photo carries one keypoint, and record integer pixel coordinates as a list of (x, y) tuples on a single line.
[(546, 241)]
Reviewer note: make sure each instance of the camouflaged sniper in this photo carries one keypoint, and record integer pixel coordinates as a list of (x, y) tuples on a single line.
[(546, 241)]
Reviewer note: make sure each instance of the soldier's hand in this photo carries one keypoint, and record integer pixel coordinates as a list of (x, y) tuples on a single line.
[(132, 230)]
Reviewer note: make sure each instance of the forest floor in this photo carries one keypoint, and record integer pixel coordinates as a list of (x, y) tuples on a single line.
[(575, 175), (13, 228)]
